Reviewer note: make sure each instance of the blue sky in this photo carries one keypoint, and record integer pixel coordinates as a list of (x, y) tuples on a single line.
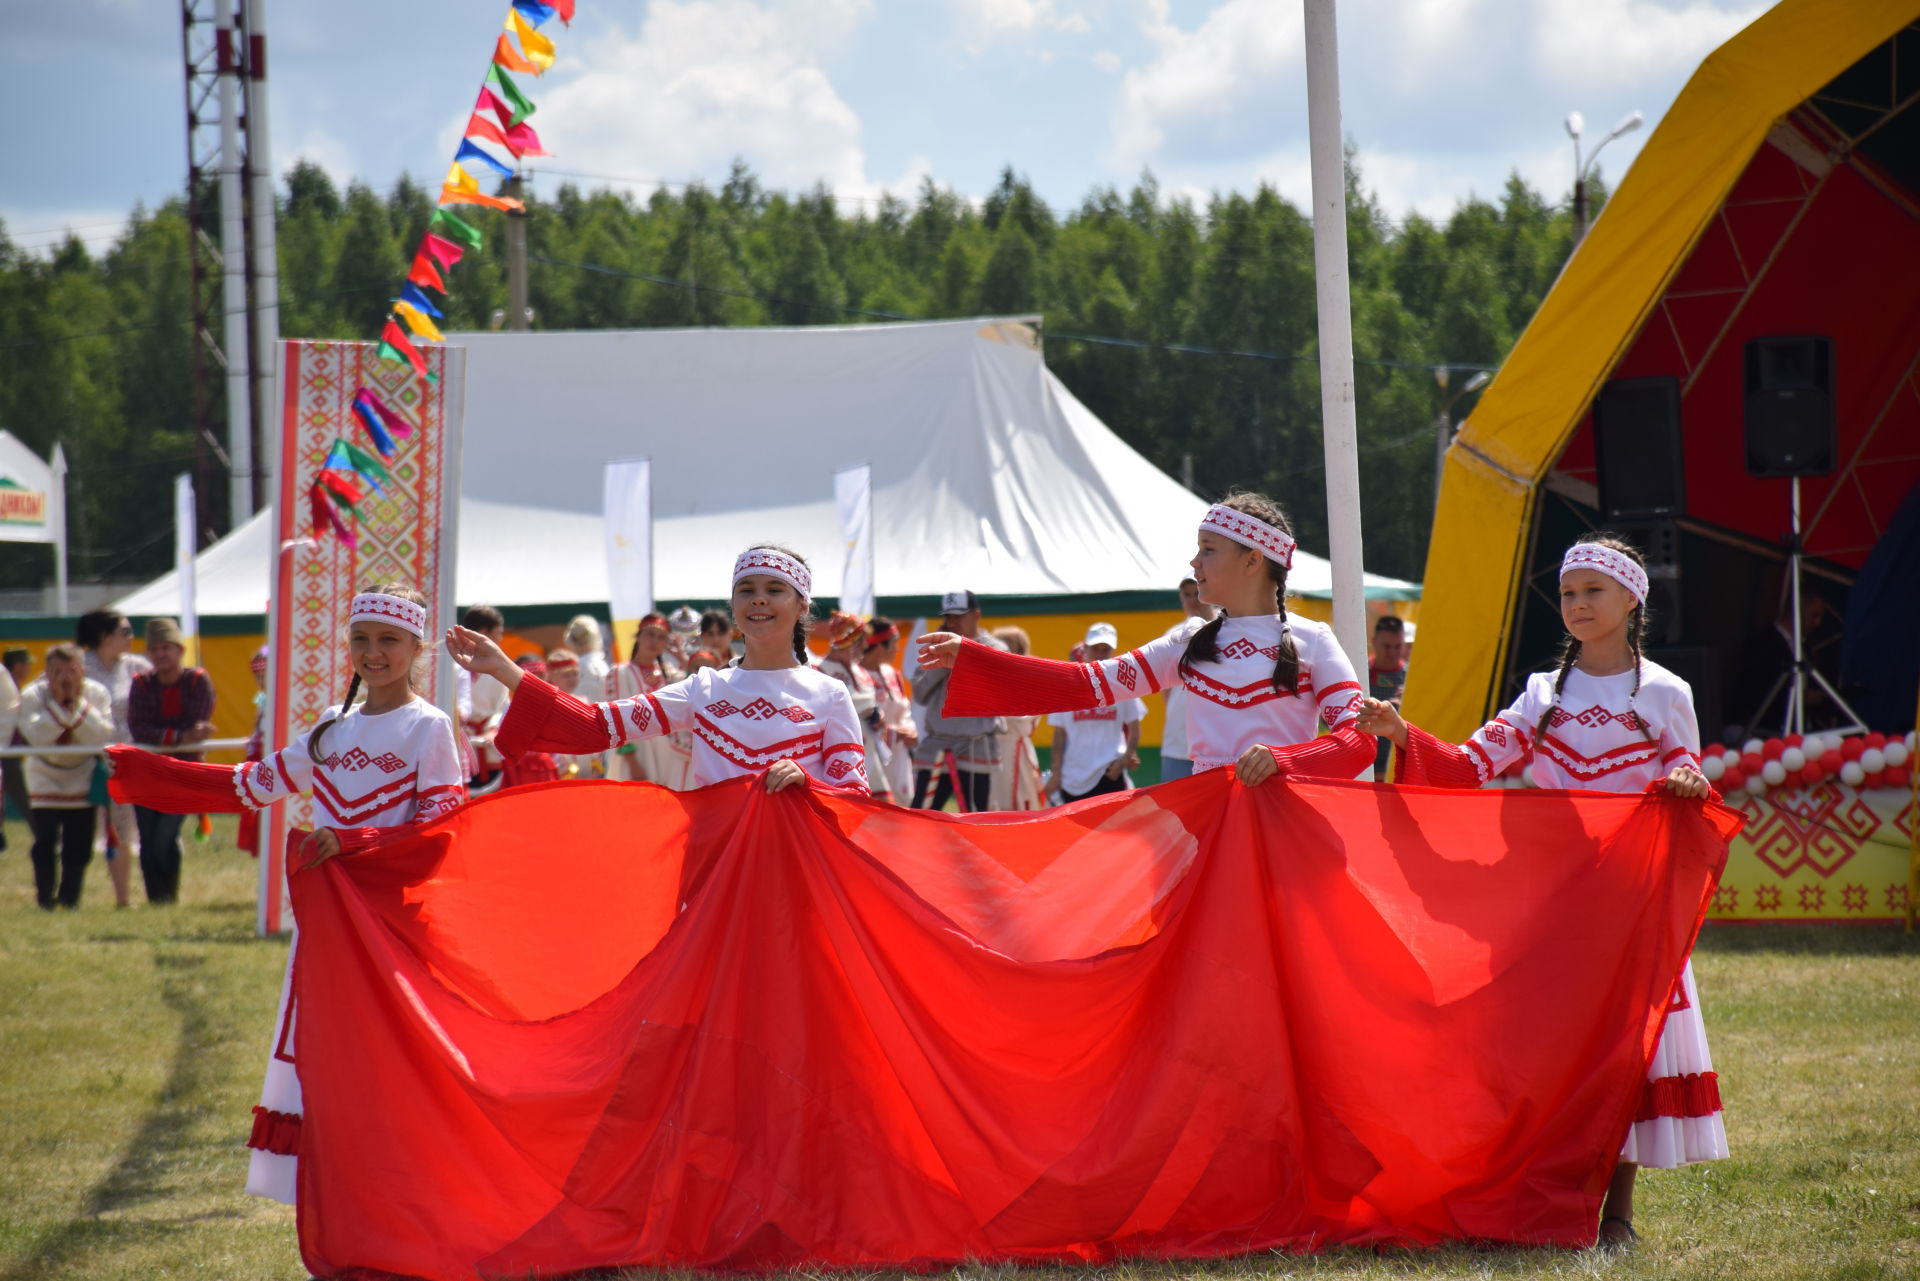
[(1443, 98)]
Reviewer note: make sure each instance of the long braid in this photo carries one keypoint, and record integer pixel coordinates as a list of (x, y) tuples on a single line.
[(1636, 639), (1569, 655), (1286, 668), (346, 705)]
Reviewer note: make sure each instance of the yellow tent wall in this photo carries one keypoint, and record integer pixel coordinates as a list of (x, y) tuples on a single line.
[(1588, 320)]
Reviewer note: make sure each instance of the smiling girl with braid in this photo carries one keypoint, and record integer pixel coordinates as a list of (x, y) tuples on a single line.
[(386, 762), (1262, 684), (1607, 719)]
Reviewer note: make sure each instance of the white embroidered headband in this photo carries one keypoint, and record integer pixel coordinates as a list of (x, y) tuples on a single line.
[(764, 560), (1275, 544), (377, 607), (1604, 560)]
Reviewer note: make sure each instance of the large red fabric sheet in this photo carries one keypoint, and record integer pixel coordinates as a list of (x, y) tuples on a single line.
[(590, 1024)]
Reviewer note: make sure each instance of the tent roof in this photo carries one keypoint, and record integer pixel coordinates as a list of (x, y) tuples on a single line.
[(1778, 196), (987, 472)]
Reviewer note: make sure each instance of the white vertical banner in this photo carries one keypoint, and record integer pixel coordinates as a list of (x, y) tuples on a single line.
[(627, 514), (853, 495), (185, 523)]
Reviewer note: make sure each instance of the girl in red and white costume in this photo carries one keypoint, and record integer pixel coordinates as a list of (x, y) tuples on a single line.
[(772, 716), (1608, 720), (666, 760), (386, 763), (1261, 684)]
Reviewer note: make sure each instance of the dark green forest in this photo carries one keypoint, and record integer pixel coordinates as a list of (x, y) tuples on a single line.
[(1204, 316)]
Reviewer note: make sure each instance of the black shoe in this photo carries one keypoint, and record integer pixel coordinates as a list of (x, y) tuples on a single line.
[(1632, 1237)]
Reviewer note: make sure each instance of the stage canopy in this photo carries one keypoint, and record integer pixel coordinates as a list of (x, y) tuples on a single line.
[(1779, 196), (987, 473)]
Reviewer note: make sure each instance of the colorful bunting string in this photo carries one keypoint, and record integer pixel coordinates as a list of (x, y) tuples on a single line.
[(350, 475)]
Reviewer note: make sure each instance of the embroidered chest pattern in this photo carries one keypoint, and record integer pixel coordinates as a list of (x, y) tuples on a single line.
[(760, 710), (1596, 716), (356, 759)]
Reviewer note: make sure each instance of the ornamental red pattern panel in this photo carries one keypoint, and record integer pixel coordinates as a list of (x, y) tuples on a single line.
[(1827, 853), (398, 536)]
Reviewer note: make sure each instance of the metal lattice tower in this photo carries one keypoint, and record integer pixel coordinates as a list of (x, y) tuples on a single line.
[(207, 53)]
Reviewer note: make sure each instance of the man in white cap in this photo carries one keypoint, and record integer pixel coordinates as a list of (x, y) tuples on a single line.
[(1095, 747), (954, 750), (1174, 759)]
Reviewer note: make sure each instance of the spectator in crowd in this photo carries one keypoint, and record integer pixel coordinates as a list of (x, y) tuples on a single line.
[(716, 635), (529, 767), (1095, 747), (482, 700), (247, 836), (955, 748), (63, 709), (13, 780), (1174, 761), (168, 706), (563, 673), (684, 625), (665, 759), (106, 637), (1387, 676), (1016, 779), (584, 639), (897, 731), (846, 643)]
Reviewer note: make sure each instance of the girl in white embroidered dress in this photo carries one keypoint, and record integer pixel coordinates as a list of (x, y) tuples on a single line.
[(666, 759), (1261, 684), (388, 762), (772, 716), (1610, 720)]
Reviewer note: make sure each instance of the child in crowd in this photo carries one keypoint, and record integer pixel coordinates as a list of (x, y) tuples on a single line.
[(388, 762), (1017, 782), (1095, 747), (1607, 719), (665, 760), (584, 640), (898, 732), (482, 701)]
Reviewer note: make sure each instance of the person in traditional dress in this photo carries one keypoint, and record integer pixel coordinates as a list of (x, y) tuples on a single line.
[(248, 836), (584, 639), (1017, 781), (846, 642), (1607, 719), (481, 702), (772, 715), (666, 760), (1261, 684), (898, 732), (386, 763)]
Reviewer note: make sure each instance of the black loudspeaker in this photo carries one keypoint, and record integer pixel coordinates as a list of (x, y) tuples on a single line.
[(1789, 406), (1636, 437), (1698, 666), (1659, 544)]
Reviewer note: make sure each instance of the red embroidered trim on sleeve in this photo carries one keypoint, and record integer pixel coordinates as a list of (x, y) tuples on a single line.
[(277, 1132), (1692, 1095)]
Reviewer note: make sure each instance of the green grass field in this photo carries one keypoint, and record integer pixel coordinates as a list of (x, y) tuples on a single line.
[(131, 1045)]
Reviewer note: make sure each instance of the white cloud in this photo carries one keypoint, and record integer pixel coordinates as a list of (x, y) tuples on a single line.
[(703, 81), (981, 22), (1593, 44), (1108, 61), (1443, 98)]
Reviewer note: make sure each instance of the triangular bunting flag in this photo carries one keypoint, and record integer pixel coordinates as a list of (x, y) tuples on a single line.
[(538, 48), (414, 294), (505, 55), (469, 150), (453, 225), (398, 424), (521, 104), (423, 272), (403, 349), (421, 326)]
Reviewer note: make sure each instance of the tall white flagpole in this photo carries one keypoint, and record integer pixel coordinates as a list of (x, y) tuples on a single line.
[(1339, 426), (183, 566), (57, 518), (853, 496), (627, 514)]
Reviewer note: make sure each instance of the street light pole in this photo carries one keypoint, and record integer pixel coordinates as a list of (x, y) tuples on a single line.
[(1583, 167)]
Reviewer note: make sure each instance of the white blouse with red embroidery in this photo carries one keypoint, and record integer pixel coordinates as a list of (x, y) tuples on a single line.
[(1232, 704), (742, 720), (399, 766), (1602, 736)]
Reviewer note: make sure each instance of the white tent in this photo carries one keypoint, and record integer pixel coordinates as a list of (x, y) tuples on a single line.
[(987, 473)]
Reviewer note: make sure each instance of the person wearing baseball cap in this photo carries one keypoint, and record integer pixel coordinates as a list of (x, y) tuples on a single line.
[(955, 753), (1095, 747)]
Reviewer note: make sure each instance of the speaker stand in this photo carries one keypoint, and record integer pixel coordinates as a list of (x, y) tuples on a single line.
[(1799, 670)]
